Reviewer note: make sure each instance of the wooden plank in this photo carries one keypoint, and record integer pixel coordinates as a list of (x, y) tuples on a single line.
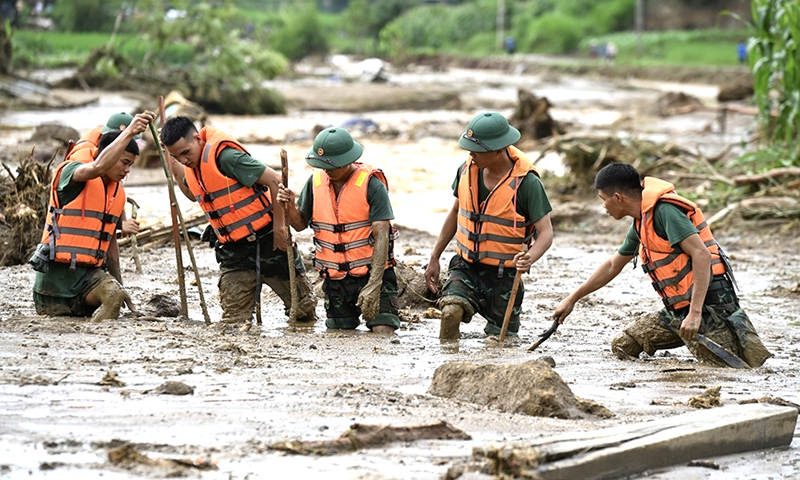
[(620, 451)]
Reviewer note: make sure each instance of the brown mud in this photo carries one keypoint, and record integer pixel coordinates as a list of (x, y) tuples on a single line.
[(78, 399)]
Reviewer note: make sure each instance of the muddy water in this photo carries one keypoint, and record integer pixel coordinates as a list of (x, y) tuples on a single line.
[(277, 383)]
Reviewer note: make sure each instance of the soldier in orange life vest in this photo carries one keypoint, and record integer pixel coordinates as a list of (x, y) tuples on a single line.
[(347, 205), (86, 204), (83, 150), (237, 194), (688, 268), (500, 206)]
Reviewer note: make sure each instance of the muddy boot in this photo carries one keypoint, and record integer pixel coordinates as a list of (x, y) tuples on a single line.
[(237, 295), (451, 322), (111, 296)]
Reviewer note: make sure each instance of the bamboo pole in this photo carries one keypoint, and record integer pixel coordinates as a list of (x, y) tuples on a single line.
[(289, 246)]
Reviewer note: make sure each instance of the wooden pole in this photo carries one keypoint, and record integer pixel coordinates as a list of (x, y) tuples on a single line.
[(173, 207), (174, 200), (134, 245), (511, 298), (289, 246)]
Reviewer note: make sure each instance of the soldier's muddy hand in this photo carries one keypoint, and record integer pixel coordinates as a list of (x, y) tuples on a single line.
[(523, 261), (563, 310), (284, 194), (130, 227), (369, 300), (140, 123), (690, 326), (432, 276)]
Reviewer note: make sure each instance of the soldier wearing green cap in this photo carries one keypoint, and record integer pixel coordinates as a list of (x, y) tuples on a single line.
[(347, 205), (90, 140), (500, 208)]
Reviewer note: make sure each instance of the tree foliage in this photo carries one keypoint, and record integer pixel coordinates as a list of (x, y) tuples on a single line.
[(300, 34), (775, 59), (85, 15)]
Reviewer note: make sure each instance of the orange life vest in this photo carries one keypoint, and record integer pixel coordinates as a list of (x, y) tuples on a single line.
[(492, 232), (92, 136), (233, 210), (669, 267), (342, 229), (79, 232)]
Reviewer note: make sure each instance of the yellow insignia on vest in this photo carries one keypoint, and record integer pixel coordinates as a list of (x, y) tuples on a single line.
[(317, 179), (361, 176)]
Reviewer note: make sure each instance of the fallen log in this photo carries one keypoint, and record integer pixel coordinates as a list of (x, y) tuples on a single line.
[(159, 231), (772, 175), (365, 436), (630, 449)]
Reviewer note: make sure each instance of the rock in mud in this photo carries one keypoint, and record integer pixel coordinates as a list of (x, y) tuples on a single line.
[(163, 306), (532, 388), (172, 388), (412, 289)]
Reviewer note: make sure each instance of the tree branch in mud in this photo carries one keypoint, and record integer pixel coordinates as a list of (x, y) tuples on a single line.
[(365, 436), (766, 177)]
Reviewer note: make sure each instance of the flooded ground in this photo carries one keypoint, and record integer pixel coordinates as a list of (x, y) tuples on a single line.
[(60, 419)]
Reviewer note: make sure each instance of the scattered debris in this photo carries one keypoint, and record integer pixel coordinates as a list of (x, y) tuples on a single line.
[(365, 436), (163, 306), (675, 103), (128, 457), (704, 464), (532, 117), (532, 388), (23, 203), (432, 312), (709, 399), (772, 400), (413, 291), (110, 379)]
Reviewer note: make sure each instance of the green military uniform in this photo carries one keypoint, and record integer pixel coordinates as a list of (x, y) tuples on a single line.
[(341, 295), (60, 290), (237, 260), (485, 288), (723, 321)]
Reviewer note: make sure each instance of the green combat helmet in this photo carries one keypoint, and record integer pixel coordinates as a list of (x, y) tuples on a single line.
[(333, 148), (119, 121), (488, 132)]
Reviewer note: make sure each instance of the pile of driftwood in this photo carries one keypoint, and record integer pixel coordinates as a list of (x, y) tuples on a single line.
[(23, 203)]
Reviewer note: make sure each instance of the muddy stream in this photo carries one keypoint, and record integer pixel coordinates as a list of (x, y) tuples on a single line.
[(276, 383)]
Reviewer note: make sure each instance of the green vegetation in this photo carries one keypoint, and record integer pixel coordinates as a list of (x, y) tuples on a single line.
[(692, 48), (774, 55)]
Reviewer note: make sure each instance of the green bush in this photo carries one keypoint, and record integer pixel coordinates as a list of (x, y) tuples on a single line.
[(300, 35), (553, 33)]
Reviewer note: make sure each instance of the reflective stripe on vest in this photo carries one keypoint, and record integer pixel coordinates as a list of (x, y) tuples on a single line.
[(492, 232), (342, 230), (670, 268), (234, 211), (77, 232)]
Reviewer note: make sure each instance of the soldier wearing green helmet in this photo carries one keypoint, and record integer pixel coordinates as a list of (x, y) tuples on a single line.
[(346, 203), (500, 209)]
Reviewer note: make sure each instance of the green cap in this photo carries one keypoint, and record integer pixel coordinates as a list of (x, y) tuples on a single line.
[(488, 132), (333, 148), (119, 121)]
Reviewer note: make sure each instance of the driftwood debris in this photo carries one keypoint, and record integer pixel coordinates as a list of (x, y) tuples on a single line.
[(160, 232), (365, 436), (128, 457), (532, 117), (773, 175), (621, 451)]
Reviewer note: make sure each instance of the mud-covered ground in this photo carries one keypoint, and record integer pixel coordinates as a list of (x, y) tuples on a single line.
[(72, 391)]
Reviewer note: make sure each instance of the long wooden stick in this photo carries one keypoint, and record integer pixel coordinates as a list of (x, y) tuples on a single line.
[(289, 246), (134, 245), (511, 298), (177, 211)]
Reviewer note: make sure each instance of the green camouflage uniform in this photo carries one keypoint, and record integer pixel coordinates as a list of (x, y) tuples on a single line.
[(341, 297), (237, 281), (486, 292), (724, 323)]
